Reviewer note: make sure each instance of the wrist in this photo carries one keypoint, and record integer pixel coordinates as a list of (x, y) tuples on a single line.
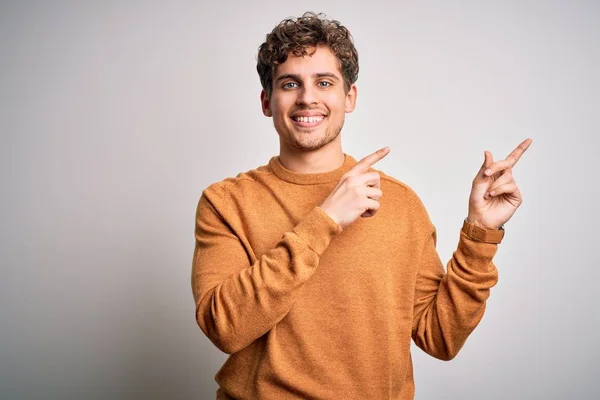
[(476, 222), (330, 214)]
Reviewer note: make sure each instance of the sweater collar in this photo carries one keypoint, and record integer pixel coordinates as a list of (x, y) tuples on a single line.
[(311, 179)]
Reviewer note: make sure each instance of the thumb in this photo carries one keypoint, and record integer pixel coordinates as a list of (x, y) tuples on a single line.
[(488, 159)]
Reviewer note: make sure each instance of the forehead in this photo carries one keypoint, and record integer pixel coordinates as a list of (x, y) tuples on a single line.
[(323, 60)]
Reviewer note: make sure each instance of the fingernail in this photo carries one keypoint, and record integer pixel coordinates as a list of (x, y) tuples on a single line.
[(493, 192), (488, 171)]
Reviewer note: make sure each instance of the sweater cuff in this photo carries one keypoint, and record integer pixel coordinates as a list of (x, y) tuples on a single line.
[(317, 229), (476, 254)]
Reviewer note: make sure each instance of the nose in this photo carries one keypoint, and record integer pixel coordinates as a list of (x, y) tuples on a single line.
[(307, 95)]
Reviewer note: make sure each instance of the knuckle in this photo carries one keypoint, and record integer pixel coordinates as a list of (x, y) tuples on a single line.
[(372, 205), (351, 180)]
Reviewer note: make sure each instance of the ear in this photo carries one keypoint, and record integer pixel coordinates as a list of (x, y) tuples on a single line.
[(351, 98), (266, 104)]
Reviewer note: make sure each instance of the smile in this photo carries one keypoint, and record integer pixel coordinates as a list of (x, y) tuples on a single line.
[(308, 121)]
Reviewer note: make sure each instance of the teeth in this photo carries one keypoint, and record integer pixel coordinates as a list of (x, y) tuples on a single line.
[(309, 119)]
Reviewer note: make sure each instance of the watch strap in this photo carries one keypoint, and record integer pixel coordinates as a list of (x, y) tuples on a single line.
[(483, 235)]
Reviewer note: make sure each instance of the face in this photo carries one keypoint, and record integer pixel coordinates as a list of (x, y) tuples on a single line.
[(309, 102)]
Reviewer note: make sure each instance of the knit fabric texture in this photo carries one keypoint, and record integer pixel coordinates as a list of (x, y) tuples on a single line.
[(308, 310)]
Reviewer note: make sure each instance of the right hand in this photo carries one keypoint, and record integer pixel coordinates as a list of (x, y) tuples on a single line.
[(357, 193)]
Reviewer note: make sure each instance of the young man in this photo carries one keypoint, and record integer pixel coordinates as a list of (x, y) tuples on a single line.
[(315, 271)]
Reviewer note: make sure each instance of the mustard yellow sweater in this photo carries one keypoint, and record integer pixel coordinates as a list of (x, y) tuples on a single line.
[(307, 310)]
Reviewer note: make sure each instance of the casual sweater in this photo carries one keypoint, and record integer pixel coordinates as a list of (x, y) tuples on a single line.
[(308, 310)]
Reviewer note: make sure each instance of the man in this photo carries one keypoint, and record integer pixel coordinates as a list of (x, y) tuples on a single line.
[(315, 271)]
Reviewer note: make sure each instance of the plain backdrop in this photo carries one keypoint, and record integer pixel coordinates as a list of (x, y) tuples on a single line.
[(115, 115)]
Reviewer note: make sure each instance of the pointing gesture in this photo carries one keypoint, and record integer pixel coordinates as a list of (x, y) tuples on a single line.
[(494, 195), (363, 165), (357, 193)]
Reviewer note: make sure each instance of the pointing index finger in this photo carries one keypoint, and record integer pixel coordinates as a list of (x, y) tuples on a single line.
[(516, 154), (366, 163)]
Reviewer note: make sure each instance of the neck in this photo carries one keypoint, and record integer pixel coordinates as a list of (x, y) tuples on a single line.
[(325, 159)]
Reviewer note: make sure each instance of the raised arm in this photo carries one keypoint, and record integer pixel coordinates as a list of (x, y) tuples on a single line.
[(448, 306), (238, 302)]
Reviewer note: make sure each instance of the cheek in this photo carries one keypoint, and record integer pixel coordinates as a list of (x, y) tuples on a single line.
[(337, 101), (281, 107)]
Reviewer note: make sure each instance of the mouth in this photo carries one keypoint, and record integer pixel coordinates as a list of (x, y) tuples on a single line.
[(308, 122)]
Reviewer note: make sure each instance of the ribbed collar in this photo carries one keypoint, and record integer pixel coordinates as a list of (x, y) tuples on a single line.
[(311, 179)]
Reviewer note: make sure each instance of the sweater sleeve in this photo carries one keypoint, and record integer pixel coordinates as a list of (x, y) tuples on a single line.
[(238, 302), (448, 306)]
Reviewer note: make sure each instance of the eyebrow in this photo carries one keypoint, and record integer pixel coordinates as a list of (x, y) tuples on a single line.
[(315, 75)]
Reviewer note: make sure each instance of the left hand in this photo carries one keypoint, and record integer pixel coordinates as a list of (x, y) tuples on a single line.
[(495, 196)]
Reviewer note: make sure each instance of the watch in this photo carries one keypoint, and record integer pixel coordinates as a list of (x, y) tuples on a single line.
[(483, 235)]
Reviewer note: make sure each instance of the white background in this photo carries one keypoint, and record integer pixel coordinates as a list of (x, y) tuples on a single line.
[(115, 116)]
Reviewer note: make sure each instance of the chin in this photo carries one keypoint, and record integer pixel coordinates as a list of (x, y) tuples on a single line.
[(312, 143)]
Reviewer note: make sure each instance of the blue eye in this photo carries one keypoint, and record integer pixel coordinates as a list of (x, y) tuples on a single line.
[(324, 84), (288, 85)]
